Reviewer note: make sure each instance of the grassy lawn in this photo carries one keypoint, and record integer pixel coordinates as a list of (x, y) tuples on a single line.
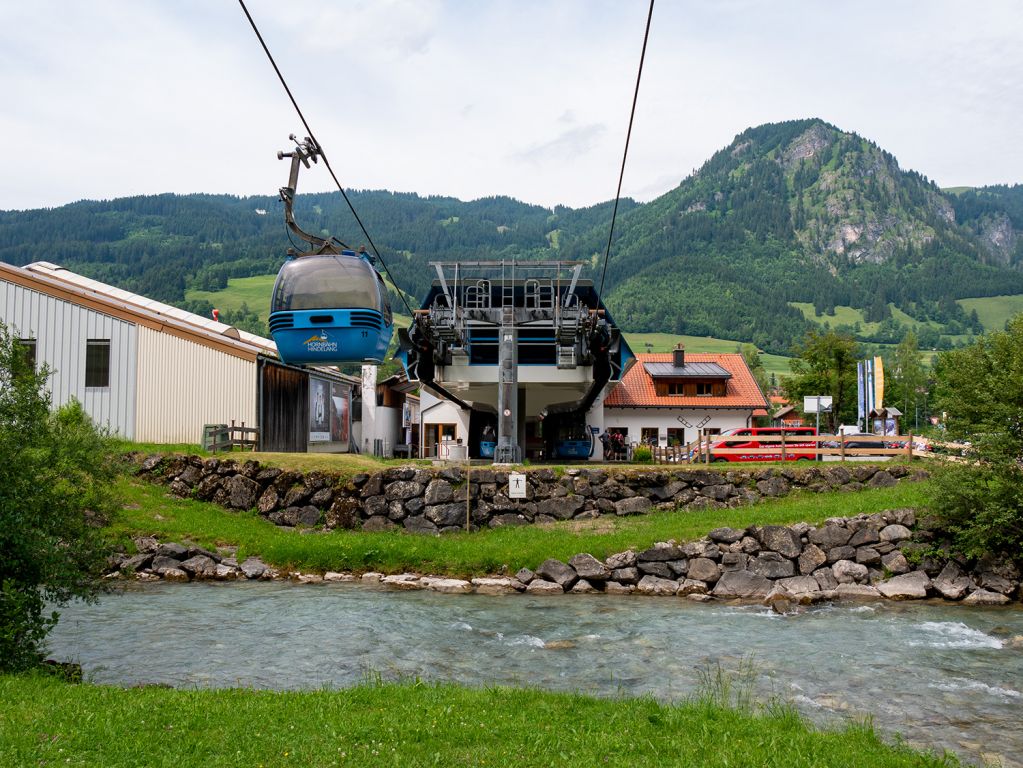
[(151, 511), (47, 722), (994, 311)]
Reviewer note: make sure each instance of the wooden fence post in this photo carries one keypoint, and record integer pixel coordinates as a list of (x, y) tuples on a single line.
[(783, 445), (842, 444), (909, 446)]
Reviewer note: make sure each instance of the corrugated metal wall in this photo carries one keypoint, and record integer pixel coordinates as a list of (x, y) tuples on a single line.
[(285, 409), (61, 330), (183, 385)]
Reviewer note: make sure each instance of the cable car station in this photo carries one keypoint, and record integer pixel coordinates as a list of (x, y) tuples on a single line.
[(523, 349)]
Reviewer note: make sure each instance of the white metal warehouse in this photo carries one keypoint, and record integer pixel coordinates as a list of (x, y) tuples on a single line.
[(137, 370)]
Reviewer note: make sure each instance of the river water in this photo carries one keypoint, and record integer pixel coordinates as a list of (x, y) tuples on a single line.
[(944, 676)]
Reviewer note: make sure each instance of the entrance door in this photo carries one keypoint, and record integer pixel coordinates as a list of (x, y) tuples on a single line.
[(434, 435)]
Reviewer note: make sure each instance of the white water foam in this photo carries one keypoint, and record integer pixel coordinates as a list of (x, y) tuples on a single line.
[(953, 634), (532, 642), (965, 684), (462, 626)]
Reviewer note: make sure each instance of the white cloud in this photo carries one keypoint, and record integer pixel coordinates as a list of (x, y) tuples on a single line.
[(519, 97)]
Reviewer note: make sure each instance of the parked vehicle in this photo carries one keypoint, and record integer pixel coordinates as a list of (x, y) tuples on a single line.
[(796, 449), (859, 440)]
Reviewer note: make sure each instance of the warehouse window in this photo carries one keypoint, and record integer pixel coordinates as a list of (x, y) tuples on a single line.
[(28, 351), (97, 363)]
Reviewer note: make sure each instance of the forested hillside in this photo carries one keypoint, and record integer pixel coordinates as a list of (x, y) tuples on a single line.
[(789, 213)]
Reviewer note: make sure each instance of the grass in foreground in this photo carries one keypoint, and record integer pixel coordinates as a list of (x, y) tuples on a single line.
[(45, 721), (151, 511)]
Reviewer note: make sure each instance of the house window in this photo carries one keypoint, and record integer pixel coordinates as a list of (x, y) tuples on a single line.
[(676, 436), (676, 388), (97, 363), (648, 435), (704, 389), (28, 350)]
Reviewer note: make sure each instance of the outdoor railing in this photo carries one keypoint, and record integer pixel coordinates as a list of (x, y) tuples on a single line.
[(813, 447)]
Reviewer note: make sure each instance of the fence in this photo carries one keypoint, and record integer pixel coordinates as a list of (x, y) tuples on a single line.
[(221, 437), (795, 447)]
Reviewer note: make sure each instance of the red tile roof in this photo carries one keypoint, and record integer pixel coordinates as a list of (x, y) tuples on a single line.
[(636, 390)]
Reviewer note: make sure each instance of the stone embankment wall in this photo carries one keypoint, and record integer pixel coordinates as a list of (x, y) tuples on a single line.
[(866, 557), (432, 501)]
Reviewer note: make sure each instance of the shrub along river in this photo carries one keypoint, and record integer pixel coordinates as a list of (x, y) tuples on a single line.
[(944, 676)]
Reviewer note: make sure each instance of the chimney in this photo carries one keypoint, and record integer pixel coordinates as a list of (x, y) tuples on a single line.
[(678, 355)]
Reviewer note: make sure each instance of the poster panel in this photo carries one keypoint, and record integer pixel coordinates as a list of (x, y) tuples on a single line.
[(340, 412), (319, 410)]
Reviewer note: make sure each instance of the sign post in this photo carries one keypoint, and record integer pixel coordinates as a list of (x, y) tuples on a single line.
[(816, 404)]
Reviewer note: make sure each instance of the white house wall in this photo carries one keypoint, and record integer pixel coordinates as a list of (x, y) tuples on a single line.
[(183, 385), (636, 419), (437, 411), (61, 330)]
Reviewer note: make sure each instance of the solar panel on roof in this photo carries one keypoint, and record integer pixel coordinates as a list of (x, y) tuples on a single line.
[(687, 371)]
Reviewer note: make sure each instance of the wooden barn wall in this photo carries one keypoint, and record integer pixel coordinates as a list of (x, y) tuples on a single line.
[(284, 417)]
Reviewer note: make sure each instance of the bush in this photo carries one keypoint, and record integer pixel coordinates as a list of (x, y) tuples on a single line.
[(56, 476), (980, 388), (641, 454)]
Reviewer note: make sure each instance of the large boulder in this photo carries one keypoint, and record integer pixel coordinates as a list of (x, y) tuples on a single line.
[(780, 539), (243, 493), (541, 587), (743, 584), (848, 572), (446, 514), (772, 566), (558, 572), (439, 492), (798, 585), (199, 567), (704, 569), (812, 558), (500, 585), (655, 585), (253, 568), (562, 508), (830, 536), (895, 533), (951, 583), (857, 592), (726, 535), (909, 586), (895, 562), (661, 553), (636, 505), (403, 489), (997, 575), (626, 559), (986, 597), (590, 568)]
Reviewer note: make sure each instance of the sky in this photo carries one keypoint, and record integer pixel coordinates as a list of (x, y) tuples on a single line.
[(472, 98)]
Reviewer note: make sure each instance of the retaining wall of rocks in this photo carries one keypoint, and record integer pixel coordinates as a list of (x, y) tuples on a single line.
[(866, 557), (432, 500)]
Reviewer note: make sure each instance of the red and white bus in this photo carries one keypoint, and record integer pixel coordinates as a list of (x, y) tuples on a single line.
[(796, 449)]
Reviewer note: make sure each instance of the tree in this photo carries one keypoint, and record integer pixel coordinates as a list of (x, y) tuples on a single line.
[(56, 480), (980, 389), (825, 364), (756, 366)]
